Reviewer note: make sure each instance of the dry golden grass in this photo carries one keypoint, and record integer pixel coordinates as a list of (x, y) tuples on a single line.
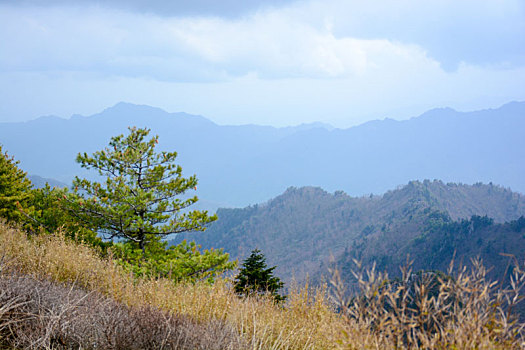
[(307, 322), (433, 310), (475, 319)]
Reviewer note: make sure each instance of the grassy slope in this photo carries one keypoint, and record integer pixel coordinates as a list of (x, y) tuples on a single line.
[(306, 322)]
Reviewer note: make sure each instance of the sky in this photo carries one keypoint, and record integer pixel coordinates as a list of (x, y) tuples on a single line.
[(280, 63)]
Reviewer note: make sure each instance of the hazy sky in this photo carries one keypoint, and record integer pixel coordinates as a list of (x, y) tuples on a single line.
[(266, 62)]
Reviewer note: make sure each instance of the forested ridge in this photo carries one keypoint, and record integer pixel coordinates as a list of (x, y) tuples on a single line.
[(302, 228)]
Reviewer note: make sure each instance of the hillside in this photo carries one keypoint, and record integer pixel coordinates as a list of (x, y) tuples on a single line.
[(431, 240), (300, 229), (242, 165)]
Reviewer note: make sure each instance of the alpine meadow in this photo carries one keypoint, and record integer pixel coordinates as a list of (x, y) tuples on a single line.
[(296, 174)]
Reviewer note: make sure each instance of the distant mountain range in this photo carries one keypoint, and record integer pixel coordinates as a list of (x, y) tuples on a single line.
[(301, 229), (241, 165)]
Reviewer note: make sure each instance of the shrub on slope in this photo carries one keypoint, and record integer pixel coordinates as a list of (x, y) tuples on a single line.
[(42, 314)]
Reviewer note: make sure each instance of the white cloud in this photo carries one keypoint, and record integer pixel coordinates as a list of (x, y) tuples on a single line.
[(269, 44), (339, 61)]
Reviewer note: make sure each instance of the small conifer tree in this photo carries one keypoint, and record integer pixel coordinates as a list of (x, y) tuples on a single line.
[(256, 278)]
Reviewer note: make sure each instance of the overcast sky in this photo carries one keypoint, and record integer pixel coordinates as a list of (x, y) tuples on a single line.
[(273, 62)]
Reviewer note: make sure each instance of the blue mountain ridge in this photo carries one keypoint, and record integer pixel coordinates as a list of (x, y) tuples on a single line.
[(246, 164)]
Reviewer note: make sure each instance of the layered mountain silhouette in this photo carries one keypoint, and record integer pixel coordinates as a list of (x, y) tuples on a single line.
[(241, 165)]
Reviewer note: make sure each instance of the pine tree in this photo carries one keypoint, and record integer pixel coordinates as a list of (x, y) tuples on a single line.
[(140, 200), (256, 278)]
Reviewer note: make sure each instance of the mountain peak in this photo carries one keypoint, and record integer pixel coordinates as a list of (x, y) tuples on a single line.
[(144, 115), (513, 107), (48, 118), (438, 112), (123, 107), (313, 125)]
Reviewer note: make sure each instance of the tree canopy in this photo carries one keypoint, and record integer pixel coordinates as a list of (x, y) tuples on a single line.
[(14, 187)]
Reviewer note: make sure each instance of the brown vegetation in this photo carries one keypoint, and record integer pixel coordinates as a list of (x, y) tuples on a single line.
[(56, 292), (433, 310), (307, 322), (44, 315)]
